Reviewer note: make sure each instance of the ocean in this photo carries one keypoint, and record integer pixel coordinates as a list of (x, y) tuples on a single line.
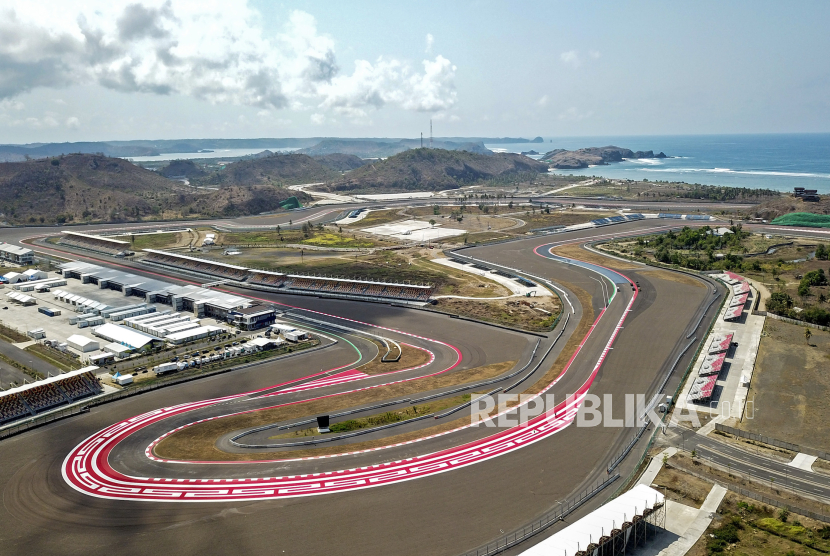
[(778, 162)]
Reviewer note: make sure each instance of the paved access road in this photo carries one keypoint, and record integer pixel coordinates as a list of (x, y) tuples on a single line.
[(443, 513)]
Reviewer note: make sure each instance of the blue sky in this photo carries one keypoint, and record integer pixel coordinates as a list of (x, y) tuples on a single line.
[(479, 68)]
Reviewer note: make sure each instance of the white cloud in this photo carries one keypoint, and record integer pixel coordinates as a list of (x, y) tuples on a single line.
[(11, 104), (318, 119), (571, 57), (543, 101), (73, 122), (390, 81), (594, 54), (430, 41), (214, 51)]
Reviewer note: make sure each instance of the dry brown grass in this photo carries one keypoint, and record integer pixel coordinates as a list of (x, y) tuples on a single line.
[(678, 277), (197, 443), (791, 386), (682, 487), (575, 251), (410, 357)]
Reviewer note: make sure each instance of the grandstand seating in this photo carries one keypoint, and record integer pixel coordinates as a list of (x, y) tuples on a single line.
[(635, 216), (77, 387), (39, 397), (266, 279), (698, 217), (12, 408), (616, 219), (670, 215), (91, 243), (600, 221), (349, 287), (43, 397), (198, 265), (702, 389)]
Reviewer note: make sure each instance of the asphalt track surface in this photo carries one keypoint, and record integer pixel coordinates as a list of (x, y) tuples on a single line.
[(444, 512)]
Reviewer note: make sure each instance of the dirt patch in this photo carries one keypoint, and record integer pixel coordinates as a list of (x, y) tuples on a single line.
[(682, 487), (791, 386), (779, 454), (198, 441), (678, 277), (575, 251), (535, 314), (410, 357)]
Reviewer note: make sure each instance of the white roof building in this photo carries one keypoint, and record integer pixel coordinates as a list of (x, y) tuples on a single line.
[(123, 335), (82, 343)]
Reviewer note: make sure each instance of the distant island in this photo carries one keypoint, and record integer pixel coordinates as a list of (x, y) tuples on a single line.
[(594, 156)]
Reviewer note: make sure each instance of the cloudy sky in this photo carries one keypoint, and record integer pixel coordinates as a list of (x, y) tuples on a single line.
[(164, 69)]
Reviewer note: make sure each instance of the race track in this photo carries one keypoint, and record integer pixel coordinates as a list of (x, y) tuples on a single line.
[(93, 483)]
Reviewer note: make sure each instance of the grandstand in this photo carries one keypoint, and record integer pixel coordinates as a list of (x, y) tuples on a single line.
[(343, 286), (197, 266), (98, 244), (720, 343), (702, 389), (670, 215), (29, 399), (263, 278), (712, 364)]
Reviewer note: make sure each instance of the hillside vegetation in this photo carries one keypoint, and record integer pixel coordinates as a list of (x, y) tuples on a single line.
[(789, 204), (435, 169), (368, 148), (592, 156), (96, 188), (278, 169)]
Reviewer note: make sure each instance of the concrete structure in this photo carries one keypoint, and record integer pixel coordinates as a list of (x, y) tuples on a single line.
[(252, 318), (16, 254)]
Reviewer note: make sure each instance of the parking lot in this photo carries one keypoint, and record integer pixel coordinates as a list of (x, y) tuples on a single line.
[(26, 318)]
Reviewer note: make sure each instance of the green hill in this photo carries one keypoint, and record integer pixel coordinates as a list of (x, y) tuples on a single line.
[(435, 169)]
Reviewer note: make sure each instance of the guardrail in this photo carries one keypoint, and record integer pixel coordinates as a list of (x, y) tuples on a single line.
[(556, 515), (772, 441)]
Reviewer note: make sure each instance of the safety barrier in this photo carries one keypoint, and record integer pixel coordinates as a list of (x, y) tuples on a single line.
[(563, 510)]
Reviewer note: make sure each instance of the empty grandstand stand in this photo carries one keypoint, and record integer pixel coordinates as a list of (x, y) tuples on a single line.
[(733, 313), (198, 266), (264, 278), (712, 364), (720, 343), (95, 243), (702, 389), (27, 400), (739, 300)]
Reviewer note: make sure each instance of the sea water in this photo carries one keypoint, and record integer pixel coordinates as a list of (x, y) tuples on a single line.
[(780, 161)]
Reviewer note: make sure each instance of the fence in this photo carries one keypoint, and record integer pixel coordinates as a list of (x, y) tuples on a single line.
[(755, 496), (772, 441), (798, 322), (554, 516)]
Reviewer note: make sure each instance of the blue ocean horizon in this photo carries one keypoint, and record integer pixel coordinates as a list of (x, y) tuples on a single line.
[(770, 161)]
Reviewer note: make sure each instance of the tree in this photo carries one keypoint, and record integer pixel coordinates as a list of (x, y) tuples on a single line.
[(432, 222), (807, 334)]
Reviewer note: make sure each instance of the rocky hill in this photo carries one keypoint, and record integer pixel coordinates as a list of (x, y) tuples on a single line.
[(593, 156), (341, 162), (277, 169), (366, 148), (181, 169), (435, 169), (96, 188), (788, 204)]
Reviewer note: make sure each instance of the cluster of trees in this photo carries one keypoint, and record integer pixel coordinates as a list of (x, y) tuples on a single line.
[(695, 249), (822, 252), (812, 278), (714, 193), (781, 303)]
